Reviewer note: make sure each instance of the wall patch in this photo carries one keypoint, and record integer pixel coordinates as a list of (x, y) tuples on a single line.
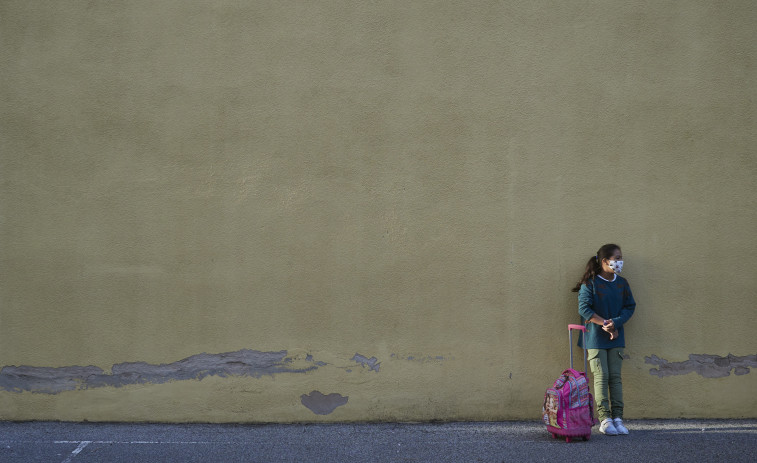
[(708, 366), (244, 362), (321, 404), (372, 363)]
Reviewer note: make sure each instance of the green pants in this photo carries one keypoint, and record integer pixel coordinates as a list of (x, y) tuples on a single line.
[(605, 366)]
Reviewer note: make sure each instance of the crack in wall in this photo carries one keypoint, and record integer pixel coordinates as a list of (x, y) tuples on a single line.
[(245, 362), (708, 366)]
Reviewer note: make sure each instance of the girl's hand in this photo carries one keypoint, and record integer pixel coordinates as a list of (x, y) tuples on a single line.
[(609, 326)]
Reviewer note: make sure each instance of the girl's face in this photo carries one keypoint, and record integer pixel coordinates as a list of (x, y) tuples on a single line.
[(610, 265)]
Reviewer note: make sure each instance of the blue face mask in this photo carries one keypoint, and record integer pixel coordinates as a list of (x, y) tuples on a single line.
[(616, 265)]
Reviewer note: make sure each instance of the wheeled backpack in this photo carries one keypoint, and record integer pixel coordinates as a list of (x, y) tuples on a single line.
[(568, 408)]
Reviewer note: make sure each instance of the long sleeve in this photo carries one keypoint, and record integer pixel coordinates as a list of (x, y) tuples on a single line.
[(585, 302), (629, 305)]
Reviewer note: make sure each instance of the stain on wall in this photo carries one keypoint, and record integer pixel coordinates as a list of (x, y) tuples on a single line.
[(372, 363), (244, 362), (708, 366), (321, 404)]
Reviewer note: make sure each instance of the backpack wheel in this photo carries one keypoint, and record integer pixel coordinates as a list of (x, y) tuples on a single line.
[(568, 439)]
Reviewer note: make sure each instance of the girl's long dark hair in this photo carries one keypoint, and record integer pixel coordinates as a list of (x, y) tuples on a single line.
[(594, 265)]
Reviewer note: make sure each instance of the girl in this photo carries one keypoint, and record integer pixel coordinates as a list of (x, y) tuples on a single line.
[(605, 303)]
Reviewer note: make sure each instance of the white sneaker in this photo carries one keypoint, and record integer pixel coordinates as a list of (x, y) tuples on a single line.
[(607, 427), (619, 426)]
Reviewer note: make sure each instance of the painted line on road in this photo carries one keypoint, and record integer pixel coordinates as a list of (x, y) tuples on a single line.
[(77, 450), (136, 442)]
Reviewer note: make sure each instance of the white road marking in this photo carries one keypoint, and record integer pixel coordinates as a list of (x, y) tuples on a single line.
[(77, 450), (141, 442)]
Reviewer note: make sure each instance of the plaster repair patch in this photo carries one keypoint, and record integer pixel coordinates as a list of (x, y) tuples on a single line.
[(708, 366), (245, 362), (323, 404)]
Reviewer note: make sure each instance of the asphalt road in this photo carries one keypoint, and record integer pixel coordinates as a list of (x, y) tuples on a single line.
[(649, 441)]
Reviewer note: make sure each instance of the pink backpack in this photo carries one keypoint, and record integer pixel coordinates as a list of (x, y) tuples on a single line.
[(568, 408)]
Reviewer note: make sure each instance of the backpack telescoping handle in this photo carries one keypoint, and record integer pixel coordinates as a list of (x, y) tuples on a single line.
[(583, 343)]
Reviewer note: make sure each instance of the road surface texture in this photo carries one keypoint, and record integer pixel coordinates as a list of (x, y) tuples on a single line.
[(649, 441)]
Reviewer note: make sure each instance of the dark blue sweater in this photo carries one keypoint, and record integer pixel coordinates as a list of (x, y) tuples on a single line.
[(610, 300)]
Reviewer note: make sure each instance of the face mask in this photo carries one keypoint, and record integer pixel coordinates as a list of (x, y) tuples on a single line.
[(616, 265)]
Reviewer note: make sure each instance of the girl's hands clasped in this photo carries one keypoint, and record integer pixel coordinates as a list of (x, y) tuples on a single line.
[(609, 326)]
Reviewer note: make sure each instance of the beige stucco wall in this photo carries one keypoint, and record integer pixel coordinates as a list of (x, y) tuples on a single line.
[(388, 201)]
